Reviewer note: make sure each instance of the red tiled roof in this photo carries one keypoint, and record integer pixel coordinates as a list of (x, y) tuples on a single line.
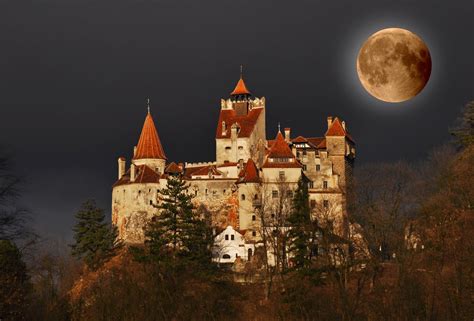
[(143, 174), (149, 145), (245, 122), (249, 174), (206, 170), (240, 88), (299, 139), (280, 148), (173, 168), (336, 129)]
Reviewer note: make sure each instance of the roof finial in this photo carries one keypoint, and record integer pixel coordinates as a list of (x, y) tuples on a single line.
[(279, 129), (148, 104), (241, 71)]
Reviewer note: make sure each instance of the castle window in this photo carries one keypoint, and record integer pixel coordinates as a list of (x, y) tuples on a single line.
[(274, 194), (289, 193), (241, 147), (227, 237), (273, 215), (151, 202), (227, 148), (255, 197), (326, 203), (232, 237), (206, 191), (281, 175), (139, 192), (325, 184), (311, 185), (304, 152), (318, 168), (226, 256), (149, 190), (313, 203), (254, 218), (242, 197), (304, 167), (254, 233), (223, 192)]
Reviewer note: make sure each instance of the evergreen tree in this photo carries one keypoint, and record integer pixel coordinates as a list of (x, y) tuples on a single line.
[(95, 240), (300, 234), (464, 132), (177, 232), (14, 282)]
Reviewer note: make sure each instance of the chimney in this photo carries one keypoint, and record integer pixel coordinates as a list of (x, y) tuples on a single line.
[(329, 121), (287, 134), (132, 172), (134, 150), (234, 130), (344, 125), (121, 167)]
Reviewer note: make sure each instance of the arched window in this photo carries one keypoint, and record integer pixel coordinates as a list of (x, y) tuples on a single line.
[(242, 197), (249, 254), (226, 256)]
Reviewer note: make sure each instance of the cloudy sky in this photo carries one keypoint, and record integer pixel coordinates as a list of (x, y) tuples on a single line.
[(74, 76)]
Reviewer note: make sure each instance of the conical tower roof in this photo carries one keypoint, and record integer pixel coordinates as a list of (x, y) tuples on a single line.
[(149, 144), (240, 88)]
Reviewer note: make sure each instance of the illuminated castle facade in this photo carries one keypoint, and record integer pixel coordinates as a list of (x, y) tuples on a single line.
[(250, 184)]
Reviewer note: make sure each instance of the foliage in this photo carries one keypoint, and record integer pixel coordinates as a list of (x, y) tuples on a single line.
[(14, 283), (464, 132), (95, 240)]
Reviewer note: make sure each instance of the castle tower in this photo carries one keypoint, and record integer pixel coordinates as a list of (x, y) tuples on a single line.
[(149, 150), (240, 133)]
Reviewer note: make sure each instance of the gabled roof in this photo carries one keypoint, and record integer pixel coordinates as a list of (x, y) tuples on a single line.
[(143, 174), (299, 139), (173, 168), (245, 122), (336, 129), (149, 144), (240, 88), (249, 174), (207, 170), (280, 148)]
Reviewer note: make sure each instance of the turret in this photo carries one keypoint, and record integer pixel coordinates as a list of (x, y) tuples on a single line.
[(121, 167), (149, 150)]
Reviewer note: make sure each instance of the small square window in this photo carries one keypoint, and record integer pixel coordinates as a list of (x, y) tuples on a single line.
[(304, 167), (313, 203), (151, 202), (254, 218), (310, 184), (242, 197), (274, 194), (325, 184), (227, 237), (232, 237), (318, 168), (254, 233), (326, 203), (282, 175)]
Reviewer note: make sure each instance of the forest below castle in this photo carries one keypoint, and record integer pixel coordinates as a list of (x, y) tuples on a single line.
[(410, 257)]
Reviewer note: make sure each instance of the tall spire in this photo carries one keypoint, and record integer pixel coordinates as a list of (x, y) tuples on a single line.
[(149, 144), (148, 104), (240, 88)]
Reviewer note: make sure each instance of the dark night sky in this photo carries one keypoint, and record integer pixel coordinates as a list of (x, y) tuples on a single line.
[(74, 75)]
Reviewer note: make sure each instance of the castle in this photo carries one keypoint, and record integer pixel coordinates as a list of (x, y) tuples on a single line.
[(247, 187)]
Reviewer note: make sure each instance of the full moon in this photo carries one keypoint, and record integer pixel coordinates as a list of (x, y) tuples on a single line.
[(394, 65)]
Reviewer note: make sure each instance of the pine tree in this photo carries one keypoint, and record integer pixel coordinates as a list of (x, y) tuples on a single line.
[(14, 282), (177, 232), (300, 234), (95, 240), (464, 132)]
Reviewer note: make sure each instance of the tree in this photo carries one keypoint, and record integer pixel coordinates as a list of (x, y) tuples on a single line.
[(95, 240), (13, 219), (177, 232), (14, 282), (464, 132), (300, 222)]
